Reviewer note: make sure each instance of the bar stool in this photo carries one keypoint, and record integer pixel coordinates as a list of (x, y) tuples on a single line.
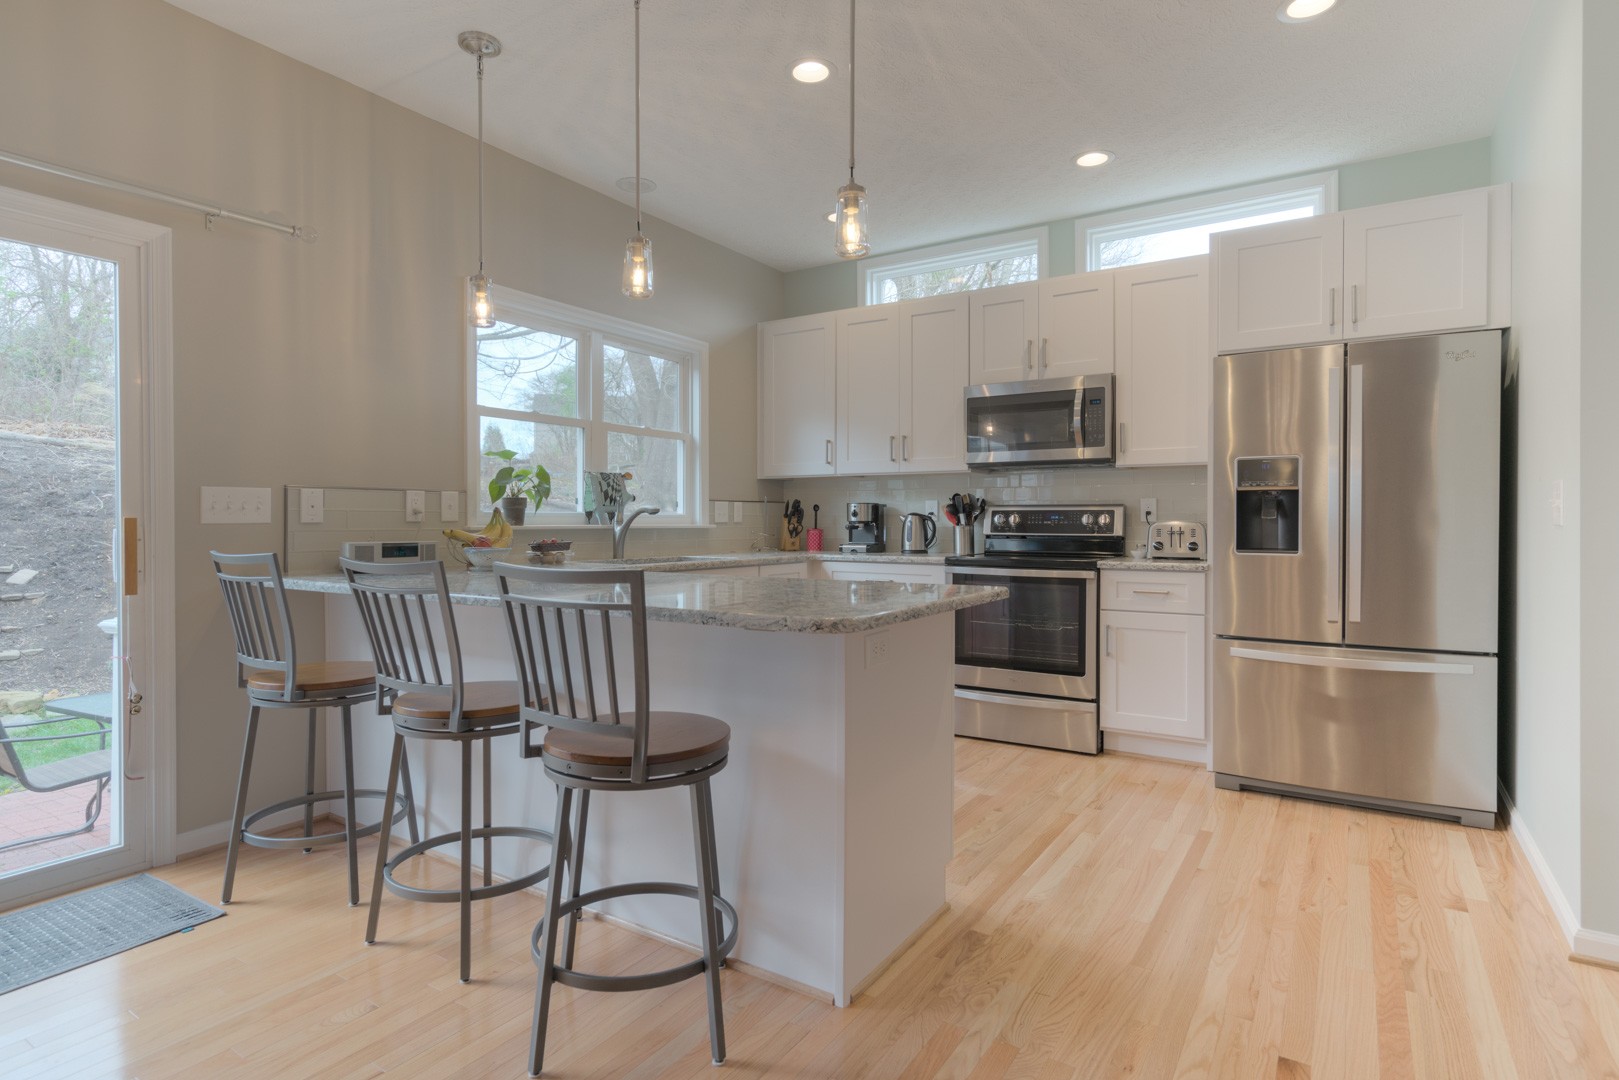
[(267, 668), (412, 687), (563, 645)]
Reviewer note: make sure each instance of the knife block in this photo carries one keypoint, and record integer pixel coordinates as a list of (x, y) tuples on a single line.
[(788, 542)]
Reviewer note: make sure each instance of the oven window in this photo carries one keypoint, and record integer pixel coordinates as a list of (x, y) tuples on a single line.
[(1040, 627), (1020, 422)]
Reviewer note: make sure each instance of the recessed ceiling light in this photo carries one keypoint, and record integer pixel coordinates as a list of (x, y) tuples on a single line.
[(1092, 158), (1297, 11), (811, 70), (627, 183)]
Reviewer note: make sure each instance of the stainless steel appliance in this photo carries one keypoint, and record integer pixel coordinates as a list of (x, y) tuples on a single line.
[(865, 525), (917, 534), (1178, 540), (1356, 496), (1026, 666), (1046, 422)]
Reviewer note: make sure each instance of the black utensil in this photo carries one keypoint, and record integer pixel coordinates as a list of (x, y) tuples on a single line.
[(817, 509), (979, 512)]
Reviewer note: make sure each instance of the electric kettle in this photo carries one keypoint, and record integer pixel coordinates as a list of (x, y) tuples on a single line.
[(917, 533)]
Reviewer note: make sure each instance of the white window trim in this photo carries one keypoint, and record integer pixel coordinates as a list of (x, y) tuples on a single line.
[(553, 314), (1090, 233), (942, 256)]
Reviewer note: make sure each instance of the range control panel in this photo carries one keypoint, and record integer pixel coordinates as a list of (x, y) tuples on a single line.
[(1106, 520)]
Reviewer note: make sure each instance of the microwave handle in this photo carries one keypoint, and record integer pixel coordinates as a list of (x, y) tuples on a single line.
[(1123, 426)]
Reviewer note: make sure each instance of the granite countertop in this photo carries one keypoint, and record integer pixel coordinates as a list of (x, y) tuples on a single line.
[(792, 605), (1173, 566)]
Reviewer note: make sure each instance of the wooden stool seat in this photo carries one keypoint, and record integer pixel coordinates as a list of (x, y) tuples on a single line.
[(480, 701), (317, 677), (672, 737)]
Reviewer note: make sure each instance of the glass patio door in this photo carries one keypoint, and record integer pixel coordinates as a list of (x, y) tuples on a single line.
[(75, 799)]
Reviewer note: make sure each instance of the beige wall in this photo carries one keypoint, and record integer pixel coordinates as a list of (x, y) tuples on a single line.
[(338, 362)]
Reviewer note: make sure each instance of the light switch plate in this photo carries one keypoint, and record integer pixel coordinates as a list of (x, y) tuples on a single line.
[(415, 505), (235, 506), (722, 513), (736, 511), (449, 505), (311, 505)]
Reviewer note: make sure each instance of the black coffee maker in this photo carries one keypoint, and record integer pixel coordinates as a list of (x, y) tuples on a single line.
[(865, 525)]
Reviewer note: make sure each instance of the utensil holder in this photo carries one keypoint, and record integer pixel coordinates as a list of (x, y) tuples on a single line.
[(966, 540), (813, 540)]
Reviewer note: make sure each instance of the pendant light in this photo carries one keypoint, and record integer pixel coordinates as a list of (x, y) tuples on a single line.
[(851, 240), (481, 45), (637, 284)]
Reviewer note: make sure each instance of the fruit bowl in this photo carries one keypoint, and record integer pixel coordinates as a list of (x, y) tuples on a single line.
[(482, 558)]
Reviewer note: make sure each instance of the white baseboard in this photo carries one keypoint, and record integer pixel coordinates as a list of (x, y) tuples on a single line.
[(1596, 947), (217, 834), (1593, 946), (1124, 742)]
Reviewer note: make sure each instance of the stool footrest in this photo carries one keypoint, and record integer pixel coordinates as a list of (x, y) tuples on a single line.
[(643, 981), (483, 892), (309, 840)]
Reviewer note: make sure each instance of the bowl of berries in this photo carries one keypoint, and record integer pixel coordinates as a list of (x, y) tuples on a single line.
[(550, 551)]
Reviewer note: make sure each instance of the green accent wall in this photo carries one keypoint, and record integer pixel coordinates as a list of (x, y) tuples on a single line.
[(1456, 167)]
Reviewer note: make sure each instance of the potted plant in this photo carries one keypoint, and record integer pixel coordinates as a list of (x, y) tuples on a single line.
[(518, 483)]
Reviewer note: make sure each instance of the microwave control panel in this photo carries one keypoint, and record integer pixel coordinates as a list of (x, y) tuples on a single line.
[(1093, 417)]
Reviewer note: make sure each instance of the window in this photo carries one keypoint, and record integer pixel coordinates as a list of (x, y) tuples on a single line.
[(578, 392), (1172, 230), (948, 268)]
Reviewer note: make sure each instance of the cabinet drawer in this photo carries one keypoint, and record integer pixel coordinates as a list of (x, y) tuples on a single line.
[(921, 575), (1152, 590), (789, 570)]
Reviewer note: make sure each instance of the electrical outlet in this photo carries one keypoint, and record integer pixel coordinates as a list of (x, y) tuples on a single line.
[(235, 506), (931, 508), (877, 650), (415, 505), (1149, 510), (449, 506), (722, 513), (1557, 503), (311, 505)]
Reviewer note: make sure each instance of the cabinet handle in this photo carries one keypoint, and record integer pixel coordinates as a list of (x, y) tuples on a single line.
[(1332, 307), (1150, 592), (1043, 355), (829, 451), (1028, 355), (1354, 305), (905, 448), (1107, 647), (891, 456)]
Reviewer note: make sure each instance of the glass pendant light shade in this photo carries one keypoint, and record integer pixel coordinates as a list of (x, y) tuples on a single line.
[(638, 268), (483, 311), (852, 240)]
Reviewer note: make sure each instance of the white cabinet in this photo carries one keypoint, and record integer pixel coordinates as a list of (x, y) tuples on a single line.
[(1161, 321), (797, 396), (1003, 324), (1076, 326), (1056, 328), (1154, 659), (724, 571), (901, 371), (784, 570), (915, 573), (1416, 267)]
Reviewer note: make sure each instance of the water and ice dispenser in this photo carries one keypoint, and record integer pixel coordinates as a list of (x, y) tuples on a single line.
[(1268, 505)]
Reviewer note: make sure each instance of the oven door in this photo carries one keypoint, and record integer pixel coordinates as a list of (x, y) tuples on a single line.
[(1047, 422), (1040, 640)]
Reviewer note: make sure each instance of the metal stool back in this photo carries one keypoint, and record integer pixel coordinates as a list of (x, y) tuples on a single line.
[(261, 623), (561, 626), (410, 621)]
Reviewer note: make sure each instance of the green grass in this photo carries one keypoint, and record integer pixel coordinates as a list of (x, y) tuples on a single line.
[(41, 753)]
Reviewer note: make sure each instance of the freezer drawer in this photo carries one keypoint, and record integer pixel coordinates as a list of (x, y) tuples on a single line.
[(1406, 727)]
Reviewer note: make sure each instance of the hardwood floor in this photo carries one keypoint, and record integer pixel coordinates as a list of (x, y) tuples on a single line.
[(1109, 917)]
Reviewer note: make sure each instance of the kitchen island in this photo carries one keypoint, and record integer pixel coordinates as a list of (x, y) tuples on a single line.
[(834, 813)]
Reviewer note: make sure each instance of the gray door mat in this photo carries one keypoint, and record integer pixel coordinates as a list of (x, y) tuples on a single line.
[(81, 928)]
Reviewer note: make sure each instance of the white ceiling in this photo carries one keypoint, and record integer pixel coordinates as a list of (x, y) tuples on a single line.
[(970, 113)]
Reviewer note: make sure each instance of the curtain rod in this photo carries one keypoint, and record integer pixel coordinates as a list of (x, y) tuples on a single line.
[(210, 213)]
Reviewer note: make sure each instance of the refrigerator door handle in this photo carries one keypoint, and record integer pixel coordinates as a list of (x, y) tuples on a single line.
[(1357, 484), (1335, 435), (1353, 663)]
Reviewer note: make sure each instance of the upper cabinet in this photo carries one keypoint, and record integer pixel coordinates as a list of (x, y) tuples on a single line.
[(1055, 328), (933, 367), (1161, 319), (797, 396), (868, 389), (1416, 267)]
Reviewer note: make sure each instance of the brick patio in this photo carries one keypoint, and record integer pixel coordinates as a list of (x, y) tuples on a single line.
[(28, 813)]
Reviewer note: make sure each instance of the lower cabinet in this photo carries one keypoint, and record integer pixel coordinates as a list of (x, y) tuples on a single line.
[(788, 570), (1152, 674), (917, 573)]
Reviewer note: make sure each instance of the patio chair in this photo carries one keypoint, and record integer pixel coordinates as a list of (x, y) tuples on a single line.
[(89, 767)]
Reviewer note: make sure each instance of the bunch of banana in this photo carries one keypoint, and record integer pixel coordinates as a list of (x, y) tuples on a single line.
[(495, 534)]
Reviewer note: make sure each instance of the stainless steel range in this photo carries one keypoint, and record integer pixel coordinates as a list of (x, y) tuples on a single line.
[(1026, 667)]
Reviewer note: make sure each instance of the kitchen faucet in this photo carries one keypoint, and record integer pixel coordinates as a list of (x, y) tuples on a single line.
[(621, 530)]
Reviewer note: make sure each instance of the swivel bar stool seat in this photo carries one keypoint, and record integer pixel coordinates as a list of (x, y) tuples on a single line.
[(563, 641), (409, 621), (267, 668)]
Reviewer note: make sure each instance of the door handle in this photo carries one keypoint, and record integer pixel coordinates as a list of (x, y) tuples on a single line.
[(829, 451), (1350, 663), (132, 564), (1043, 342), (1332, 307), (1028, 355), (1354, 305), (905, 448), (1107, 646), (1335, 436), (891, 456), (1357, 452)]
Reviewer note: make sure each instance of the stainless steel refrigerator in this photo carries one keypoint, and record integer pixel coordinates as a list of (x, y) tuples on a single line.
[(1356, 495)]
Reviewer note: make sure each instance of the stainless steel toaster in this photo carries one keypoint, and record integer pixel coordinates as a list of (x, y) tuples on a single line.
[(1178, 540)]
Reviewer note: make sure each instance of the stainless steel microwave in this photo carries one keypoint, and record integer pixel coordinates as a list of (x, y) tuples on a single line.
[(1045, 422)]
